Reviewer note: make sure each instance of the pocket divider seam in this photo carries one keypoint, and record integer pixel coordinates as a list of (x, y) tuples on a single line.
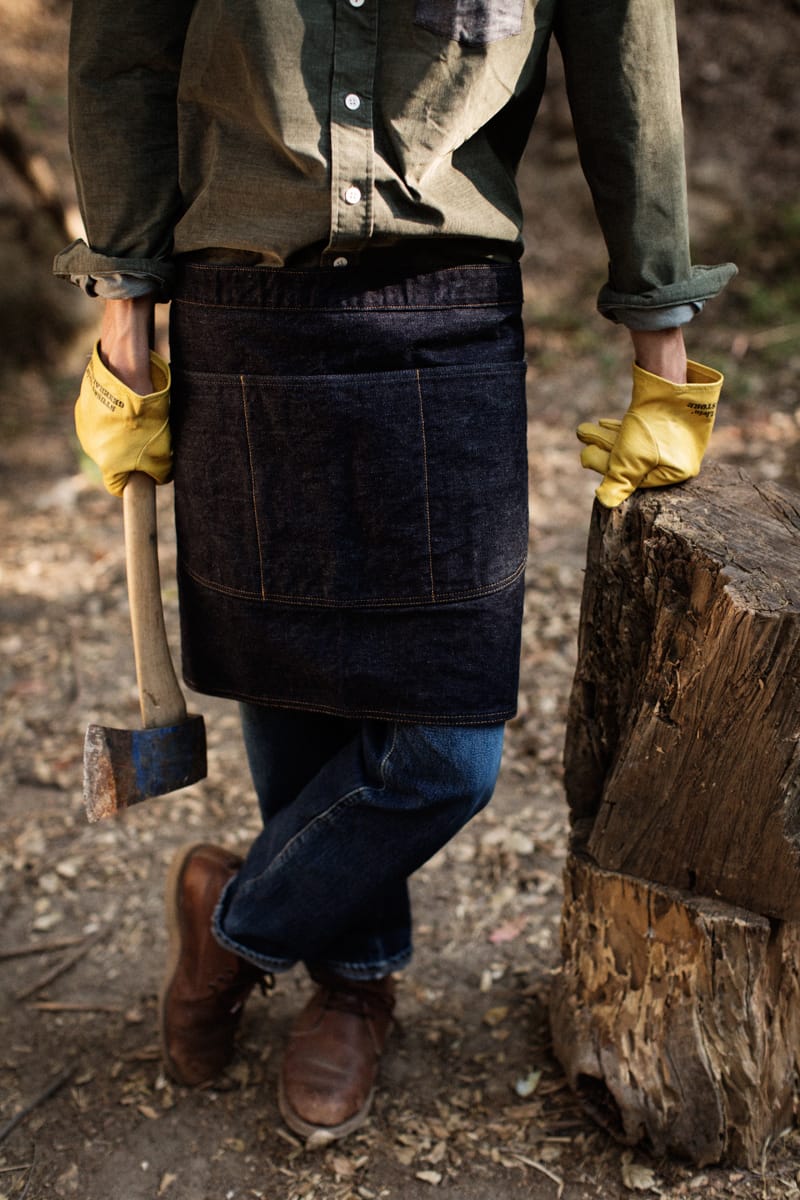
[(253, 486), (427, 488)]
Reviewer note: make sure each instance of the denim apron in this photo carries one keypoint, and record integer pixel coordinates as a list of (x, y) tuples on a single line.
[(351, 488)]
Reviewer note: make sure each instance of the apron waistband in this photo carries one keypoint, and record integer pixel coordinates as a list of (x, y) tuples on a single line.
[(342, 289)]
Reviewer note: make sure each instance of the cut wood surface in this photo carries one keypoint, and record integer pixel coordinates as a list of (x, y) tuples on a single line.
[(677, 1019), (683, 743)]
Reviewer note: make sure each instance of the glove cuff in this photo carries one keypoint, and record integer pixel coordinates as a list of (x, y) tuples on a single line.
[(697, 373), (107, 384), (701, 381)]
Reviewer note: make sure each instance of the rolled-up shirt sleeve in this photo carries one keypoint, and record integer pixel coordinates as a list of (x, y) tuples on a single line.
[(123, 81), (621, 65)]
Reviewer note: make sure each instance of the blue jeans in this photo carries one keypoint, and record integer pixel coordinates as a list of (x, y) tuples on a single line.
[(350, 809)]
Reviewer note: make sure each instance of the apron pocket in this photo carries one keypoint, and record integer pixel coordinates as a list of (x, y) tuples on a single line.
[(391, 488), (471, 22)]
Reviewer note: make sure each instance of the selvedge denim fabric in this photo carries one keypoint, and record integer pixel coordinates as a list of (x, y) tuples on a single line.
[(351, 489), (350, 809)]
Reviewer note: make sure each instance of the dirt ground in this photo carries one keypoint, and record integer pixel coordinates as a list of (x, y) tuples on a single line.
[(473, 1105)]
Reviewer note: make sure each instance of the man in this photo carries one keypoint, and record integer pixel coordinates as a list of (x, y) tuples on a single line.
[(325, 189)]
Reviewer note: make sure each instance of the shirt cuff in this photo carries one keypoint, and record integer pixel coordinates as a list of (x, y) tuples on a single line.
[(115, 287), (684, 298), (649, 319), (103, 275)]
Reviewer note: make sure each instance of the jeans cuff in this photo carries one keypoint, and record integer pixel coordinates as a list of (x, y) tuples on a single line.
[(364, 970), (264, 962), (374, 969)]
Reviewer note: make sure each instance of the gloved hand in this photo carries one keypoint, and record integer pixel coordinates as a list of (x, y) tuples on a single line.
[(121, 430), (661, 439)]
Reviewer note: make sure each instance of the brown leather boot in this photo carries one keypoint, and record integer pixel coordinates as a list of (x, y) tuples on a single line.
[(205, 986), (330, 1067)]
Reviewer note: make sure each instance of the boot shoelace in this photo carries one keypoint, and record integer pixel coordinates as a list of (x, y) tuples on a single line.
[(226, 982), (357, 1002)]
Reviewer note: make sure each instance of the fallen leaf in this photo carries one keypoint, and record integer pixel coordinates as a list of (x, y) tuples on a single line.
[(240, 1071), (509, 839), (342, 1166), (148, 1112), (319, 1138), (47, 921), (550, 1152), (167, 1180), (493, 1016), (527, 1086), (523, 1112), (508, 931), (67, 1182), (638, 1178)]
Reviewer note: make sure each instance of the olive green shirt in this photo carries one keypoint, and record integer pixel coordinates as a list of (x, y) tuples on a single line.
[(328, 131)]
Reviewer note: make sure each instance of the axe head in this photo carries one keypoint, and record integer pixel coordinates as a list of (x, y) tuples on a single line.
[(123, 766)]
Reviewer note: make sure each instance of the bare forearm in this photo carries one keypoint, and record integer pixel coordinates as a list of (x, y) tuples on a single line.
[(125, 341), (661, 352)]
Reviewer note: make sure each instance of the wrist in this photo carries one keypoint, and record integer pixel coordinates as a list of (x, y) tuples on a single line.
[(661, 352), (125, 338)]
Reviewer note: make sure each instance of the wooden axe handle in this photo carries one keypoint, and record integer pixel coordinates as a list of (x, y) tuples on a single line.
[(160, 697)]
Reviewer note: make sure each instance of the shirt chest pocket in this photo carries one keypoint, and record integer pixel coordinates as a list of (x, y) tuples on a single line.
[(471, 22)]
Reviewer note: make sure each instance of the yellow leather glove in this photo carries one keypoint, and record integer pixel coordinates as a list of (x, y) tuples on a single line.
[(121, 430), (661, 439)]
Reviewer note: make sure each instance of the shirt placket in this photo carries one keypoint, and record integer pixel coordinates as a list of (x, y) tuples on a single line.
[(352, 140)]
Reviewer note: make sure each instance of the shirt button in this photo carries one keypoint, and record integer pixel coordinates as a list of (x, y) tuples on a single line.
[(352, 101), (341, 261), (352, 195)]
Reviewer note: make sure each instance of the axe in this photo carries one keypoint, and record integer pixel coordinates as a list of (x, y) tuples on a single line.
[(123, 766)]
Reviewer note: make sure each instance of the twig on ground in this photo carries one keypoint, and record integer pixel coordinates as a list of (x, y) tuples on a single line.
[(76, 1006), (41, 948), (537, 1166), (18, 1167), (142, 1054), (49, 1091), (30, 1174), (62, 967)]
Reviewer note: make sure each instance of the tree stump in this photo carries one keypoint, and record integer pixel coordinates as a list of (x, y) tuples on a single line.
[(676, 1014)]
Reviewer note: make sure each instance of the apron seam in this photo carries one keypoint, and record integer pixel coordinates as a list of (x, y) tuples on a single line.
[(356, 605), (253, 487), (490, 718), (427, 490)]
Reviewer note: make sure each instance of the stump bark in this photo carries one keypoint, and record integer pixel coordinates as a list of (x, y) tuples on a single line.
[(676, 1012)]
